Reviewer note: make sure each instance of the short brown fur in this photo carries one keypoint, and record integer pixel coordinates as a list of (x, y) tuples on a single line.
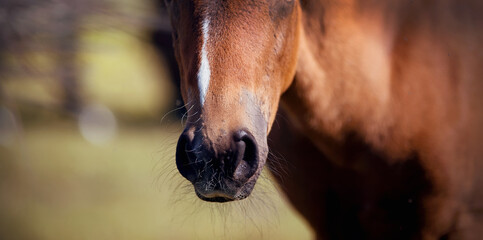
[(382, 102)]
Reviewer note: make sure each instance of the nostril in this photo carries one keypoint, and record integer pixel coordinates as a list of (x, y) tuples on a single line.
[(246, 159), (185, 159)]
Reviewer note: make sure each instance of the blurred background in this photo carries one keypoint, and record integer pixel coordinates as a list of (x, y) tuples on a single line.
[(89, 119)]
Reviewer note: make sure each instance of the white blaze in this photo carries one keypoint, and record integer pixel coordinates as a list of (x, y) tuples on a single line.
[(204, 71)]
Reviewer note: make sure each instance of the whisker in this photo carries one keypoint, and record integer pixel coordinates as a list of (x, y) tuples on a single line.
[(173, 110)]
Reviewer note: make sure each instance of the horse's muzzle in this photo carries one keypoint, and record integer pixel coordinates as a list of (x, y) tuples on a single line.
[(220, 172)]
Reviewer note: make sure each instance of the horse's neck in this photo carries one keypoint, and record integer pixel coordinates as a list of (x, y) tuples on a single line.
[(369, 71), (342, 79)]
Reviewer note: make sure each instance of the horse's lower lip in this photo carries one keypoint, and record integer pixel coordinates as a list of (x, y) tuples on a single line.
[(215, 196)]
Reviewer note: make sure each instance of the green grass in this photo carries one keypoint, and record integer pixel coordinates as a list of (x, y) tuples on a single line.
[(56, 185)]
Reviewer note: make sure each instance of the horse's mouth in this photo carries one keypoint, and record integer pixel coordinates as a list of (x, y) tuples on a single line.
[(216, 197), (227, 191)]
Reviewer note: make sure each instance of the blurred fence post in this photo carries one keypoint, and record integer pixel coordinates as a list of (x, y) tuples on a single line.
[(67, 38)]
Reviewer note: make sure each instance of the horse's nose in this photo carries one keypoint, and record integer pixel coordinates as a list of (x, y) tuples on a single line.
[(245, 163), (237, 161), (186, 159)]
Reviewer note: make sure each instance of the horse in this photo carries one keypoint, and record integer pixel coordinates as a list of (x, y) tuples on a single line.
[(374, 107)]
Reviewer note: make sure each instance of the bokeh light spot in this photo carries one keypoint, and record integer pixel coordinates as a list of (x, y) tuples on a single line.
[(97, 124), (8, 127)]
